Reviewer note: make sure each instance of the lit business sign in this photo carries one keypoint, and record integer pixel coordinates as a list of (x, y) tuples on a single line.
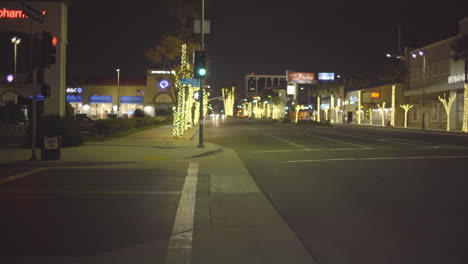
[(353, 99), (291, 89), (6, 13), (326, 76), (456, 78), (164, 84), (196, 95), (74, 90), (375, 95), (301, 77)]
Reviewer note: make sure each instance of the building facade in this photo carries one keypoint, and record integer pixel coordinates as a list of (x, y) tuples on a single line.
[(16, 55), (255, 84), (101, 98), (433, 74)]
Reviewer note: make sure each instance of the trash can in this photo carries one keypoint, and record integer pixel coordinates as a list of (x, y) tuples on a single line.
[(51, 148)]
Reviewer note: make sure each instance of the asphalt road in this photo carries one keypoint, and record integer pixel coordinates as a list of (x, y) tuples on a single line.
[(117, 213), (360, 194)]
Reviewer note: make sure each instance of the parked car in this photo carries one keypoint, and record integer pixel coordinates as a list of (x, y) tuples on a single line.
[(86, 124)]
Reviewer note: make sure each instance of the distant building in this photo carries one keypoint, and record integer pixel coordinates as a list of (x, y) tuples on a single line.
[(99, 97), (255, 84)]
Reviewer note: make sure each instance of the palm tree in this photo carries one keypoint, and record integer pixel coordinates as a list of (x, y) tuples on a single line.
[(459, 48)]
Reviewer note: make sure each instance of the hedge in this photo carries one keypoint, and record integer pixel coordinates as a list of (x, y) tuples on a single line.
[(115, 125), (54, 125)]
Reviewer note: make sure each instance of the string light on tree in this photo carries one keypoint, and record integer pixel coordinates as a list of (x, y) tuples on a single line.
[(406, 107), (447, 103), (382, 114), (370, 112), (228, 99)]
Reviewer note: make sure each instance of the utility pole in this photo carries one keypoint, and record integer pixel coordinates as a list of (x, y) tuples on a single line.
[(200, 123), (34, 99)]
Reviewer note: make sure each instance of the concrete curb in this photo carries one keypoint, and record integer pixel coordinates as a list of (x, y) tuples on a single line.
[(208, 153)]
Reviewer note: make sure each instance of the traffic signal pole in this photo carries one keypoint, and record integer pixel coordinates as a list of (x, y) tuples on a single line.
[(200, 123), (34, 99)]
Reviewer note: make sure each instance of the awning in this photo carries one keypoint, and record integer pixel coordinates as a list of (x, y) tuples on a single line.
[(131, 99), (100, 99), (74, 98)]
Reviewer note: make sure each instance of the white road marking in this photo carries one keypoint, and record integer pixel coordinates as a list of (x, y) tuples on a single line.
[(377, 158), (21, 175), (98, 192), (339, 141), (284, 140), (305, 150), (385, 139), (180, 244)]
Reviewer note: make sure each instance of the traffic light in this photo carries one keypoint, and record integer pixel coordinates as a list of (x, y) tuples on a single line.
[(199, 65), (48, 48)]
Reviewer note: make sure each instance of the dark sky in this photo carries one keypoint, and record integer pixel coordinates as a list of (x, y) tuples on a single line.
[(262, 36)]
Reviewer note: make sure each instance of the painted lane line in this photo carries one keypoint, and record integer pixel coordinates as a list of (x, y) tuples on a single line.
[(319, 160), (86, 192), (305, 150), (180, 245), (21, 175), (387, 139), (339, 141), (284, 140), (377, 158)]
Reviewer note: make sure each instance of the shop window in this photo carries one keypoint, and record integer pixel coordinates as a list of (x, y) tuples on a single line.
[(445, 67), (443, 114), (415, 113), (435, 69), (427, 71), (415, 73), (434, 111)]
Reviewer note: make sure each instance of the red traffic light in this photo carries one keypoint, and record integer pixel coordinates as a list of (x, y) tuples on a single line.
[(54, 41)]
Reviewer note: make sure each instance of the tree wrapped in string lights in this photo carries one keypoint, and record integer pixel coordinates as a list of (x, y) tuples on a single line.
[(298, 108), (447, 103), (228, 99), (406, 107), (382, 114)]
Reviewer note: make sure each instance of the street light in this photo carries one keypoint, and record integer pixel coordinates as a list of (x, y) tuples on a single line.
[(15, 41), (118, 92), (415, 55)]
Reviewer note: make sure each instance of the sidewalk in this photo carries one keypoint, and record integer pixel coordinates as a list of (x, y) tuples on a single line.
[(148, 145)]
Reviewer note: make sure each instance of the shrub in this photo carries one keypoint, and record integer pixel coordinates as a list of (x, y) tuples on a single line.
[(11, 113), (54, 125), (110, 126)]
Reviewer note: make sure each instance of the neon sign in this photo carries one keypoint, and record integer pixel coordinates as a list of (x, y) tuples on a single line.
[(12, 14), (74, 90), (6, 13), (164, 84), (456, 78), (375, 94)]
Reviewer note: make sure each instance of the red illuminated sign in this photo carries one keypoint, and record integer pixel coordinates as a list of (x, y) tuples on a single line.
[(301, 77), (12, 14), (6, 13), (375, 94)]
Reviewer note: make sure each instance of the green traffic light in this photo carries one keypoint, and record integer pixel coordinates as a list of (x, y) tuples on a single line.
[(202, 71)]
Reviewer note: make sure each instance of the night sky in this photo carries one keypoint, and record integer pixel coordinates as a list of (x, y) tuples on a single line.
[(261, 36)]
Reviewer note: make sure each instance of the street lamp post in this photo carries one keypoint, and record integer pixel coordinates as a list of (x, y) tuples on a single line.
[(15, 41), (118, 92), (423, 55)]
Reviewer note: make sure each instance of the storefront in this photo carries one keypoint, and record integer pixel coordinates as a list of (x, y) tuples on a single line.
[(129, 104)]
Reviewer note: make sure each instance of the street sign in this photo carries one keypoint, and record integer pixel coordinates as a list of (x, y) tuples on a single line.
[(192, 82), (33, 13)]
